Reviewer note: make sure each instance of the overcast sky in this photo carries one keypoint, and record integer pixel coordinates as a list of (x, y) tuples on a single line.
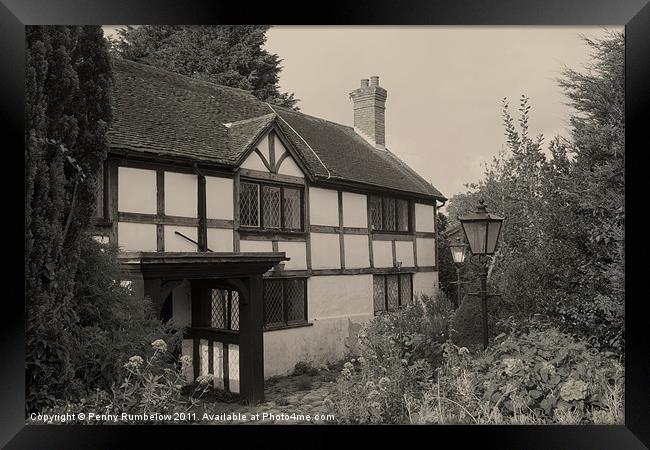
[(445, 85)]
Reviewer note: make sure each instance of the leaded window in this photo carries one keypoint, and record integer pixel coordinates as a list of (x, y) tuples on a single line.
[(224, 309), (270, 206), (249, 205), (392, 291), (285, 302), (389, 214)]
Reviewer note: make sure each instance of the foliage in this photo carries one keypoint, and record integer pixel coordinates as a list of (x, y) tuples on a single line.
[(408, 372), (467, 326), (151, 385), (397, 353), (446, 270), (562, 250), (537, 375), (231, 55), (67, 113), (112, 324)]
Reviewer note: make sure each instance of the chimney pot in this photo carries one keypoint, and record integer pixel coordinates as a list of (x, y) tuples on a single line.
[(369, 105)]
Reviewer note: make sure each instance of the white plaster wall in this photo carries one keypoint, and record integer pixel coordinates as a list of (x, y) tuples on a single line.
[(325, 251), (220, 239), (426, 251), (382, 252), (181, 194), (335, 302), (137, 237), (263, 147), (297, 251), (355, 210), (255, 246), (254, 162), (404, 253), (136, 190), (356, 251), (323, 207), (425, 283), (176, 243), (424, 218), (182, 304), (289, 167), (219, 198)]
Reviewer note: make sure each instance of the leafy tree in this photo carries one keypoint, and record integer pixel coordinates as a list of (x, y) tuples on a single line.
[(231, 55), (68, 84), (446, 270), (562, 252)]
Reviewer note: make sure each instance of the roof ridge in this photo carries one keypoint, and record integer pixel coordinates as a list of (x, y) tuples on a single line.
[(313, 117), (180, 75), (252, 119)]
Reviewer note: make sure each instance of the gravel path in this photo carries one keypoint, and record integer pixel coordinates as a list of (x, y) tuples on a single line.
[(296, 399)]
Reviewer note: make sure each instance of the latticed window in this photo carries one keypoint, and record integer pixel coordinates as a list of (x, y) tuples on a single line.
[(291, 208), (270, 206), (392, 291), (389, 214), (379, 292), (285, 302), (249, 205), (224, 309), (402, 213), (375, 212)]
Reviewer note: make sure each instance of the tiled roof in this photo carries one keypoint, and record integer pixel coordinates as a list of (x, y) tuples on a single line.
[(160, 112)]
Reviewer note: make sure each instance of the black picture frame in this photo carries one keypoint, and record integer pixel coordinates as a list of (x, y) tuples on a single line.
[(15, 14)]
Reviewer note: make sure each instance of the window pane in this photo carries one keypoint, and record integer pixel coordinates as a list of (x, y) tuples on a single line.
[(273, 302), (379, 292), (295, 298), (271, 206), (375, 213), (234, 311), (291, 206), (249, 205), (406, 292), (393, 292), (218, 308), (389, 214), (402, 215)]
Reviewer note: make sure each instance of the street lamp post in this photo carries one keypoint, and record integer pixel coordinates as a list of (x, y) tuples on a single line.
[(482, 230), (458, 256)]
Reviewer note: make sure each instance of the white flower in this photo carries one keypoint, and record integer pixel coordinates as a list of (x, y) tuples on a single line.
[(186, 360), (204, 380), (463, 351), (160, 345), (134, 362)]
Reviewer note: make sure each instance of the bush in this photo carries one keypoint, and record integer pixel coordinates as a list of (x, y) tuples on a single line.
[(467, 326), (397, 352), (152, 385), (531, 376), (408, 372)]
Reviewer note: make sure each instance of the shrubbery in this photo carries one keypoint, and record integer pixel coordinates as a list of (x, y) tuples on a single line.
[(397, 353), (151, 385), (408, 372)]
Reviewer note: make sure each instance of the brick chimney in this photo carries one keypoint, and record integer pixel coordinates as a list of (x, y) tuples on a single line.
[(369, 103)]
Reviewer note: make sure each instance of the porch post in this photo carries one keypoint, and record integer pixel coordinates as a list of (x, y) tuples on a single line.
[(251, 342)]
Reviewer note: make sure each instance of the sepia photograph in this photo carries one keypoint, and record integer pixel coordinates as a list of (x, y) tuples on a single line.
[(324, 225)]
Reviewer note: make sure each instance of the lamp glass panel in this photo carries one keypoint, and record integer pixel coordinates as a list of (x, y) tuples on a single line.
[(494, 228), (475, 232), (458, 253)]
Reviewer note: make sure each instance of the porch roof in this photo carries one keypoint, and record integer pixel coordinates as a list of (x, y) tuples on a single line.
[(203, 265)]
